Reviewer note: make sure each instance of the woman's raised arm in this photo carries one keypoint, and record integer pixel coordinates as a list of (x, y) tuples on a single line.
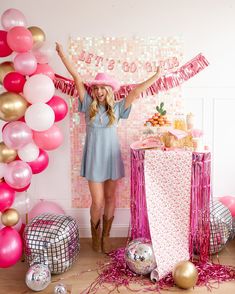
[(71, 69)]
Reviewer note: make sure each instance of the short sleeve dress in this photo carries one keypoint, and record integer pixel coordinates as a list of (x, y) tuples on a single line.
[(102, 159)]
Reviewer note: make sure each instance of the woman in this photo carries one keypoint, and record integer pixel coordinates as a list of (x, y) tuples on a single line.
[(102, 164)]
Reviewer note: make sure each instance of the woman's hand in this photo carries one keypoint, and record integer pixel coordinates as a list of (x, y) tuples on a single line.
[(59, 49)]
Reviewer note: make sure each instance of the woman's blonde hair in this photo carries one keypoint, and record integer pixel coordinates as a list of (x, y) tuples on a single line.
[(109, 105)]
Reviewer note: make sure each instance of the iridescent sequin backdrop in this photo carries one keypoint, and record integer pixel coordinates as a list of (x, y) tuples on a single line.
[(131, 61)]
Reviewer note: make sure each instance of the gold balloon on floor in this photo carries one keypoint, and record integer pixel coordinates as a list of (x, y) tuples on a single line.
[(185, 274), (12, 106), (5, 68), (10, 217), (38, 34), (7, 154)]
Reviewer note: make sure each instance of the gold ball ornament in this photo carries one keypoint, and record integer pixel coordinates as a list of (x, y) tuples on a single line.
[(38, 34), (7, 154), (10, 217), (185, 275), (12, 106), (5, 68)]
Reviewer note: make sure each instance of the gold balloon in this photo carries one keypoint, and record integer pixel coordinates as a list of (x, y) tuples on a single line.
[(5, 68), (7, 154), (12, 106), (38, 34), (185, 274), (10, 217)]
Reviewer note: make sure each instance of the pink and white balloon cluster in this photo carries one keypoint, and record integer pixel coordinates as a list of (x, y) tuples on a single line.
[(30, 109)]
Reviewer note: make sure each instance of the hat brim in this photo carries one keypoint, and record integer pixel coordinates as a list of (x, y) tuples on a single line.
[(113, 84)]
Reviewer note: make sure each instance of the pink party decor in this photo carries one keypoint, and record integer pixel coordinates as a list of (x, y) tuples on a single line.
[(7, 196), (49, 139), (41, 163), (45, 206), (14, 82), (16, 134), (11, 247), (229, 202), (25, 63), (45, 69), (18, 174), (5, 50), (59, 107), (13, 17), (20, 39)]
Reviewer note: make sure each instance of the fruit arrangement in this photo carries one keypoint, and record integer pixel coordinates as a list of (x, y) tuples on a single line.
[(159, 119)]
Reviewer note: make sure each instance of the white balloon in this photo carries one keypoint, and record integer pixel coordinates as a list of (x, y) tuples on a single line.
[(2, 169), (29, 152), (39, 117), (43, 51), (38, 88)]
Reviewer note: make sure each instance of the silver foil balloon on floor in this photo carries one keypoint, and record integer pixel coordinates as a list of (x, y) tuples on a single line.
[(38, 277), (52, 240), (220, 226), (139, 256)]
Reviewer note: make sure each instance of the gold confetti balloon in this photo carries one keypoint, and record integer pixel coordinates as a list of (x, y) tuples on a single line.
[(185, 275)]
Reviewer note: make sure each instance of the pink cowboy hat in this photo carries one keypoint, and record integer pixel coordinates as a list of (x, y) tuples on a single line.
[(106, 80)]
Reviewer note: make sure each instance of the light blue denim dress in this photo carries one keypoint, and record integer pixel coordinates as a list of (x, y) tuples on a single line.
[(101, 154)]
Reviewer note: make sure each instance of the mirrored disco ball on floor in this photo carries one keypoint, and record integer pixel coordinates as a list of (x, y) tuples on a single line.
[(220, 226), (53, 240)]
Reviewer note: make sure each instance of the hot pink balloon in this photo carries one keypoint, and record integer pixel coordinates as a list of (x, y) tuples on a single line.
[(59, 107), (45, 69), (5, 50), (20, 39), (11, 247), (14, 82), (229, 202), (16, 134), (18, 174), (13, 17), (49, 139), (7, 196), (25, 63), (23, 189), (45, 206), (41, 163)]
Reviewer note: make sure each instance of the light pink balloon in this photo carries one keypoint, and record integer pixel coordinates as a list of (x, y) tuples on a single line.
[(59, 107), (49, 139), (46, 70), (45, 206), (17, 134), (43, 51), (229, 202), (41, 163), (18, 174), (39, 88), (25, 63), (20, 39), (11, 247), (7, 196), (13, 17)]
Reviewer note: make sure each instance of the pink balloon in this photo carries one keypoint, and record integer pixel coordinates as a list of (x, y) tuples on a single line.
[(46, 70), (49, 139), (12, 18), (59, 107), (45, 206), (16, 134), (5, 50), (11, 247), (14, 82), (18, 174), (229, 202), (23, 189), (7, 196), (43, 51), (25, 63), (41, 163), (20, 39)]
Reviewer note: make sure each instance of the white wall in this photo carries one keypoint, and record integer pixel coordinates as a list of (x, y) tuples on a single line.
[(206, 26)]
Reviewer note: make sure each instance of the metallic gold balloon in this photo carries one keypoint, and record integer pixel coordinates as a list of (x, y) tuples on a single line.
[(38, 34), (7, 154), (12, 106), (185, 274), (5, 68), (10, 217)]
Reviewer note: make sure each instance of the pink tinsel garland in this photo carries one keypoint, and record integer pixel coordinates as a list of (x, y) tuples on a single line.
[(164, 83)]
